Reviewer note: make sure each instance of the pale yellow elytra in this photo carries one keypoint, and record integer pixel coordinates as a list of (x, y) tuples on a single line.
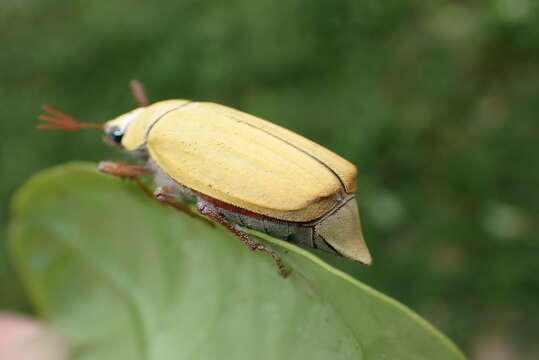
[(240, 170)]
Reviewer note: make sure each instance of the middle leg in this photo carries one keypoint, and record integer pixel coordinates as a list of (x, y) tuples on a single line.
[(165, 196)]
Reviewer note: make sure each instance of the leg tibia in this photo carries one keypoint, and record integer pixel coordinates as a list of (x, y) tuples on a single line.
[(208, 210)]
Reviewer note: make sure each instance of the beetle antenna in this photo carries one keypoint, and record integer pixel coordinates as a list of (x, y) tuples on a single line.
[(63, 121), (139, 93)]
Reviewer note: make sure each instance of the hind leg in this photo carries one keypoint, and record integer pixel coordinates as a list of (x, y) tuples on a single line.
[(208, 210)]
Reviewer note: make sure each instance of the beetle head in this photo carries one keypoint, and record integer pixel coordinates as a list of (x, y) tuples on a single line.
[(128, 131), (116, 129)]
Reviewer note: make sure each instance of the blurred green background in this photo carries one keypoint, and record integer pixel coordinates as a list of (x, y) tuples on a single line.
[(436, 102)]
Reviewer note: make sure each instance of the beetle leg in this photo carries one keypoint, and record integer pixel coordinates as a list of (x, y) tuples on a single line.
[(208, 210), (126, 171), (167, 197)]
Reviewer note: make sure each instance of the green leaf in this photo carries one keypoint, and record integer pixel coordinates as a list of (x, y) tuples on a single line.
[(127, 278)]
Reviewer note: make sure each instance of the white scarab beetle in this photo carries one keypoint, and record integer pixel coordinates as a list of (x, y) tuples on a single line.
[(239, 170)]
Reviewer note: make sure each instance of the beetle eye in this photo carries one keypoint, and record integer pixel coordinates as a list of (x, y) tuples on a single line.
[(116, 135)]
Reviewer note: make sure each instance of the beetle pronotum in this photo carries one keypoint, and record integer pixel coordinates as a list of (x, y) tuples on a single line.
[(240, 170)]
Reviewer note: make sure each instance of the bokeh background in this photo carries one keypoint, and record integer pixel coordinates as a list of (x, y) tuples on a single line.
[(437, 102)]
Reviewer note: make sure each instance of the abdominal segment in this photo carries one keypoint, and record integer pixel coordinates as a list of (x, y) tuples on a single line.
[(298, 233)]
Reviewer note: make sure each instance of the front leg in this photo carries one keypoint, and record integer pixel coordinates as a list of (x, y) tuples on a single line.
[(209, 210), (126, 171), (162, 194)]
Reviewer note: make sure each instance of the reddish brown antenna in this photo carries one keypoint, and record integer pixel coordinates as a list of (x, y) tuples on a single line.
[(63, 121), (139, 93)]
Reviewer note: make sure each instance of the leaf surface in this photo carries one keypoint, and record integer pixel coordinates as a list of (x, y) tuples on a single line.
[(127, 278)]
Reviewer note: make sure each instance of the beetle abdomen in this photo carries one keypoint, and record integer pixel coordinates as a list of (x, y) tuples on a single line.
[(338, 232), (341, 231)]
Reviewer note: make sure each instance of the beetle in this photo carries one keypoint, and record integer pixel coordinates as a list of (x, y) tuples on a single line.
[(239, 170)]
